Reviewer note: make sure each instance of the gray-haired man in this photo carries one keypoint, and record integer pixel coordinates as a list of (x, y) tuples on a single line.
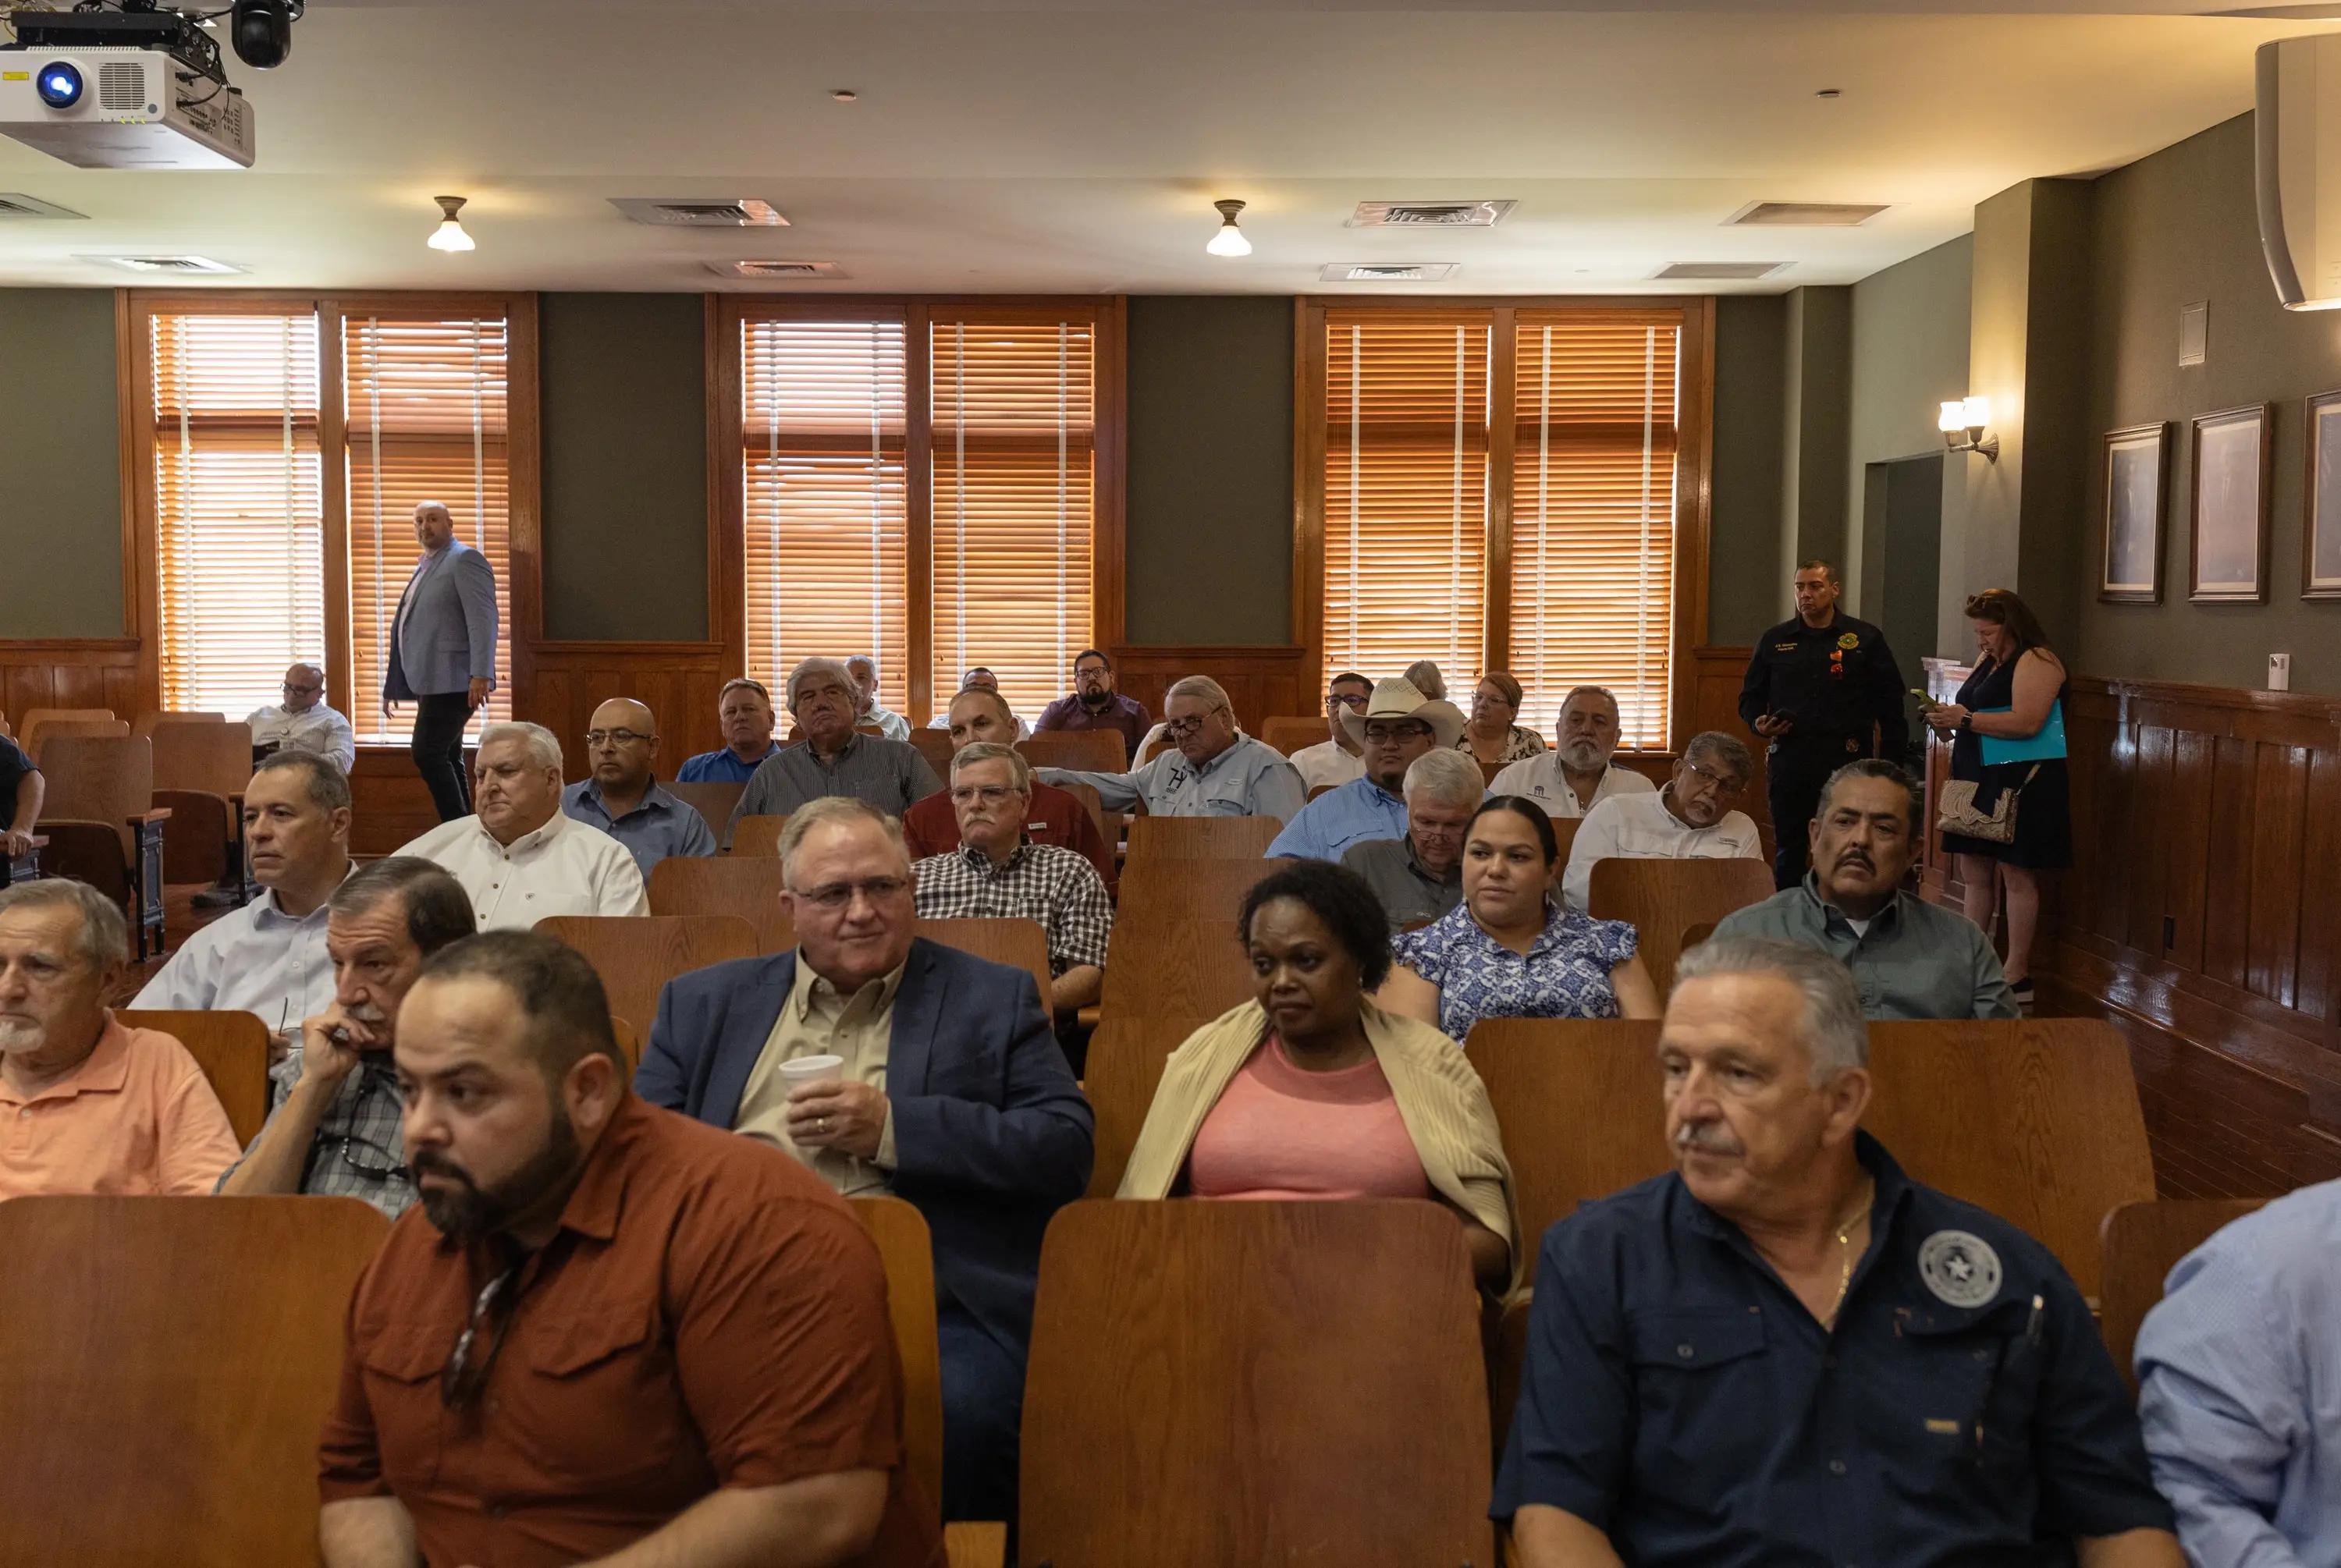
[(834, 759), (1210, 771), (1689, 820), (1420, 878)]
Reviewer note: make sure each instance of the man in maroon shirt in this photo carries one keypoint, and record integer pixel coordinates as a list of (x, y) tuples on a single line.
[(931, 828), (1094, 704)]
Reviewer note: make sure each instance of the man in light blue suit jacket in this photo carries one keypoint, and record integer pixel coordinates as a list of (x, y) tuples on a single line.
[(953, 1097), (443, 654)]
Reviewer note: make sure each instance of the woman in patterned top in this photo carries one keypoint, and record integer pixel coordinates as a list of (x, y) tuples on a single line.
[(1492, 736), (1509, 950)]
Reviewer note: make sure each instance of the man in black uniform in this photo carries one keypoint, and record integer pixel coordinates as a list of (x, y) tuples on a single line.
[(1814, 690)]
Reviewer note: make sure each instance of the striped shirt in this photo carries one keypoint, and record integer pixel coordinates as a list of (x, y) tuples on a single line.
[(1058, 887), (886, 774)]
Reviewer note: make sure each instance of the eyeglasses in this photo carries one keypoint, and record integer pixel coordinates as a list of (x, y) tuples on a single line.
[(1724, 782), (834, 896), (291, 690), (622, 736), (461, 1380), (990, 794), (1180, 729), (1391, 734), (350, 1146), (1350, 701)]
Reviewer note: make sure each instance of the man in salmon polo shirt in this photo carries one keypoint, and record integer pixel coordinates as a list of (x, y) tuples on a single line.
[(87, 1106)]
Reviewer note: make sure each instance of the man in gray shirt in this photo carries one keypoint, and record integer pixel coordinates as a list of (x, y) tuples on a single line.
[(832, 759), (1909, 958), (1210, 770), (1420, 878)]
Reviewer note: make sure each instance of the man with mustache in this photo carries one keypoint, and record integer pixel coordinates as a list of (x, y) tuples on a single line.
[(610, 1334), (1052, 816), (1787, 1351), (336, 1131), (1577, 774), (1909, 958), (1689, 820)]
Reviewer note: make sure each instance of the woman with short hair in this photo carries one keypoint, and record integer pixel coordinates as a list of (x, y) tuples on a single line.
[(1492, 736)]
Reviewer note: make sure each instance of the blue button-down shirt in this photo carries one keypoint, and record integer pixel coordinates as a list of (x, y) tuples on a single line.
[(2240, 1385), (1680, 1397), (722, 767), (659, 824), (1358, 810)]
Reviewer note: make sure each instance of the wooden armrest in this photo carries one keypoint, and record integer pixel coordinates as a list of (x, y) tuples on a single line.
[(149, 817), (972, 1545), (1089, 1016)]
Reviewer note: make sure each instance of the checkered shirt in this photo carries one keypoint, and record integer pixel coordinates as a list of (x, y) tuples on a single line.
[(359, 1150), (1057, 887)]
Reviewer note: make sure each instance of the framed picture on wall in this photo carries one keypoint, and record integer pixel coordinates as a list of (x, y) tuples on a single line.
[(2229, 553), (2320, 530), (2137, 484)]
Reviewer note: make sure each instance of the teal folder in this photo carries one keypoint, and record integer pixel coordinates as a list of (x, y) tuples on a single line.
[(2041, 748)]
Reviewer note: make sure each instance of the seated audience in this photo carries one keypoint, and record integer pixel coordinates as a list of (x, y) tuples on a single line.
[(947, 1090), (21, 790), (89, 1105), (305, 721), (1094, 704), (1577, 774), (863, 669), (518, 857), (2239, 1388), (608, 1334), (623, 798), (1210, 770), (744, 711), (932, 826), (1492, 737), (835, 759), (1787, 1351), (1909, 958), (1420, 878), (268, 957), (998, 871), (1333, 762), (1398, 725), (1312, 1091), (334, 1129), (1690, 819), (1509, 950), (1424, 677), (977, 679)]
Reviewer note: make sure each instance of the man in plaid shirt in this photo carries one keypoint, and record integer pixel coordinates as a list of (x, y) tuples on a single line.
[(996, 872)]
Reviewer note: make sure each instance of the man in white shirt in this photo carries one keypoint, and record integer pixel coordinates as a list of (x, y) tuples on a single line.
[(268, 957), (1577, 774), (518, 857), (305, 723), (1331, 763), (1690, 819), (890, 725)]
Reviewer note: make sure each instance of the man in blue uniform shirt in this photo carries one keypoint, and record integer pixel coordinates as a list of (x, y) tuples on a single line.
[(1789, 1353)]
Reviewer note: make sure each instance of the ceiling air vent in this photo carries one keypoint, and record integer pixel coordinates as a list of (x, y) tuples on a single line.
[(1429, 214), (1717, 271), (166, 264), (1388, 272), (16, 204), (685, 212), (776, 269), (1807, 215)]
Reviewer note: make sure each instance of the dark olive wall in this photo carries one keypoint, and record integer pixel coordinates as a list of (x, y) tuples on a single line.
[(1743, 552), (60, 465)]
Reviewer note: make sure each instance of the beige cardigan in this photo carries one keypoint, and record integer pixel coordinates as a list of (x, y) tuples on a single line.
[(1440, 1099)]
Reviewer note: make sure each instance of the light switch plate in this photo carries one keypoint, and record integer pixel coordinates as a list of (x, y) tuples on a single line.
[(2279, 672)]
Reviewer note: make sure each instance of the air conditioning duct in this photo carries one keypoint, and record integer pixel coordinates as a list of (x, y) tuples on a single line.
[(2298, 129)]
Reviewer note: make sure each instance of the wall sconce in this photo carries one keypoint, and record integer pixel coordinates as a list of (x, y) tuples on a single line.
[(1969, 417)]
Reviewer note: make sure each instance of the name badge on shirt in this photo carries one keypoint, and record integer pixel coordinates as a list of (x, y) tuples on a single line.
[(1784, 648)]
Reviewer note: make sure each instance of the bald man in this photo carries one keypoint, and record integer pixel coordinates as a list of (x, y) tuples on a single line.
[(443, 654), (305, 721), (622, 796)]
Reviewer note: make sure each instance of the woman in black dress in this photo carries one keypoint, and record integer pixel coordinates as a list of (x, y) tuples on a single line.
[(2015, 671)]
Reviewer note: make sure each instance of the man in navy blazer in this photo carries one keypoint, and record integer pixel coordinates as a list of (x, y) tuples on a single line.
[(442, 653), (952, 1095)]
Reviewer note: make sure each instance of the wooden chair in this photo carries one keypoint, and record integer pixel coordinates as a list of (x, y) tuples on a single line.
[(1287, 1360), (1125, 1067), (30, 723), (1163, 888), (146, 722), (1084, 751), (232, 1049), (1564, 832), (103, 827), (630, 1044), (60, 728), (1108, 825), (2142, 1243), (1203, 838), (167, 1365), (726, 884), (1180, 970), (201, 768), (1662, 899), (1290, 732), (713, 801), (758, 836), (637, 955), (1019, 944), (1322, 790), (935, 746)]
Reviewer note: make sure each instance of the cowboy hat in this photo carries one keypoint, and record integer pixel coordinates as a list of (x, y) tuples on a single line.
[(1401, 699)]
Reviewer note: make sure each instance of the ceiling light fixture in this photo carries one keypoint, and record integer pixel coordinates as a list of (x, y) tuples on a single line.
[(450, 235), (843, 94), (1229, 240)]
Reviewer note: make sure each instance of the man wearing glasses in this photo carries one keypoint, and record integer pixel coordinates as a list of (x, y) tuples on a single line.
[(1690, 818), (1398, 725), (304, 721), (623, 798), (1329, 764), (336, 1131), (888, 1063), (1210, 770), (1094, 704)]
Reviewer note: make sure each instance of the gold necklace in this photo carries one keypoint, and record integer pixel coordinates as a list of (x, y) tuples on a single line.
[(1845, 1252)]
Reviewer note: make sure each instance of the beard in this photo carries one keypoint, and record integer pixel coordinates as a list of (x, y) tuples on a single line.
[(1584, 756), (468, 1212), (21, 1035)]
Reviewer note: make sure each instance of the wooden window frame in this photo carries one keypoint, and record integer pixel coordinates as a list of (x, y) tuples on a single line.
[(1693, 488), (727, 555), (524, 583)]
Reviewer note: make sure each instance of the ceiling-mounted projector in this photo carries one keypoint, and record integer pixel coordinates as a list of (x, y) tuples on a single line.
[(122, 109)]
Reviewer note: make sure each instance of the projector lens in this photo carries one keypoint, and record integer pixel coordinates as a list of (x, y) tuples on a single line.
[(60, 86)]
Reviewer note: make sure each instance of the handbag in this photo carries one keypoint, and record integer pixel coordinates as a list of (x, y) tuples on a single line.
[(1956, 812)]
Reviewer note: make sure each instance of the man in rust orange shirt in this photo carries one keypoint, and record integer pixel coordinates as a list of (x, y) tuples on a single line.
[(607, 1333)]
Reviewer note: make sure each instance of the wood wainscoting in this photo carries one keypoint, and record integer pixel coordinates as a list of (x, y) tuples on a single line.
[(1261, 681), (678, 681), (70, 673)]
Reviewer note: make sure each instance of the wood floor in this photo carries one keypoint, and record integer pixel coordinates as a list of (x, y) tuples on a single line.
[(2218, 1129)]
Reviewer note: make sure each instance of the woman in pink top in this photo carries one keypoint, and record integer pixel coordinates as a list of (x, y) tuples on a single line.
[(1312, 1091)]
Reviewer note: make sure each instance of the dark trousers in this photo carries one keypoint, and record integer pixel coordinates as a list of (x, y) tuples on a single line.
[(439, 721), (983, 1411), (1793, 773)]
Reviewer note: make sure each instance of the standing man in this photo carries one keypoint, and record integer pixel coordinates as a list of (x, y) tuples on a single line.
[(1577, 774), (835, 759), (305, 723), (1094, 704), (1331, 763), (623, 798), (1398, 725), (1210, 770), (744, 711), (1825, 690), (865, 672), (443, 654)]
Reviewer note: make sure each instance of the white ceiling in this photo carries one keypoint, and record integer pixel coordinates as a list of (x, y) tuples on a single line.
[(1077, 147)]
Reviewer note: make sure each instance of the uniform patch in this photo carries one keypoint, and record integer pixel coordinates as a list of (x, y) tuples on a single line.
[(1850, 639), (1960, 1268), (1784, 648)]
